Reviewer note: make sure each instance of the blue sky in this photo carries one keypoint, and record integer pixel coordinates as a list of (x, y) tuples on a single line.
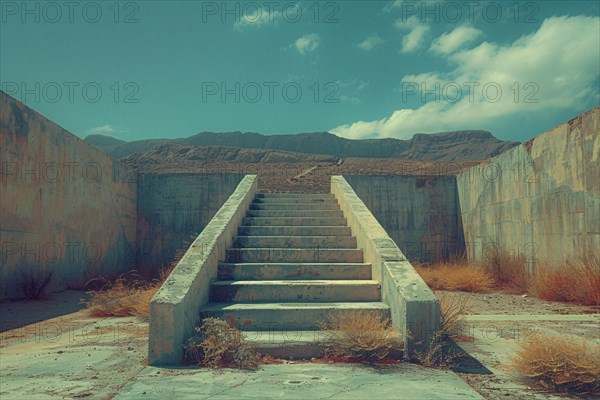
[(153, 69)]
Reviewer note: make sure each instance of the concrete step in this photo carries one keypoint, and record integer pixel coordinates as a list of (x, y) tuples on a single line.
[(285, 316), (295, 230), (294, 206), (300, 271), (327, 196), (296, 213), (283, 255), (294, 221), (327, 242), (284, 290), (298, 344), (293, 200)]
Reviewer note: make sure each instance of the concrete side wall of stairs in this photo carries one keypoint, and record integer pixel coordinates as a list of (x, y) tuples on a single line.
[(414, 309), (175, 309)]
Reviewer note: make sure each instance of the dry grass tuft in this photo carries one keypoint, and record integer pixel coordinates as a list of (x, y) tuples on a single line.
[(218, 344), (124, 297), (509, 271), (561, 363), (360, 336), (34, 281), (575, 282), (452, 310), (129, 294), (439, 355), (458, 276)]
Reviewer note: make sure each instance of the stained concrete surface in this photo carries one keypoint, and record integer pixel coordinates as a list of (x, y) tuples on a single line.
[(540, 199), (300, 381), (421, 214), (75, 356), (173, 209), (66, 207), (16, 314)]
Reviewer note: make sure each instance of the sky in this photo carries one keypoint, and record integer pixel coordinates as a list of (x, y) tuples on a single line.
[(359, 69)]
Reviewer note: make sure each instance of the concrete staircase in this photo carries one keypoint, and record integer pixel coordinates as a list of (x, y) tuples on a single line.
[(293, 263)]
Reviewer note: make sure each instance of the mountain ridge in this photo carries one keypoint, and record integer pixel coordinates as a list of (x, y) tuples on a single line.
[(467, 145)]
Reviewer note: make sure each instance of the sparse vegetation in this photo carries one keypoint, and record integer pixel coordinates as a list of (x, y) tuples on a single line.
[(218, 344), (34, 282), (576, 281), (458, 275), (360, 336), (452, 310), (128, 295), (509, 271), (560, 363), (438, 355)]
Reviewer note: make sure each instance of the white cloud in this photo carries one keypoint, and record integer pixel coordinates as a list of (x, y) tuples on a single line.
[(307, 43), (370, 42), (100, 130), (357, 84), (350, 99), (451, 41), (257, 19), (391, 5), (558, 65), (415, 39)]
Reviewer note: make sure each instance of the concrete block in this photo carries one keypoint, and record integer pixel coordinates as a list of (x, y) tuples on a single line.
[(294, 206), (295, 221), (286, 316), (323, 242), (294, 231), (294, 290), (289, 271), (296, 213), (282, 255)]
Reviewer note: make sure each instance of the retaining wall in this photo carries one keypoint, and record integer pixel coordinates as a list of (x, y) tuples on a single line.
[(540, 199), (66, 208), (173, 209), (421, 214)]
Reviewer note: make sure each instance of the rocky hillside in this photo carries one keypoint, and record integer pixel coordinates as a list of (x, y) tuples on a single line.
[(456, 146), (173, 153)]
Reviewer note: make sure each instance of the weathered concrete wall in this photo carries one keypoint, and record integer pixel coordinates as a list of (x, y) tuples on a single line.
[(175, 309), (420, 213), (65, 206), (540, 199), (414, 308), (173, 209)]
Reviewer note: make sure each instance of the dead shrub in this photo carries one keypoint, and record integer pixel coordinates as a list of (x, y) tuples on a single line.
[(218, 344), (509, 271), (123, 297), (452, 310), (34, 282), (128, 295), (360, 336), (575, 281), (437, 355), (560, 363), (458, 276)]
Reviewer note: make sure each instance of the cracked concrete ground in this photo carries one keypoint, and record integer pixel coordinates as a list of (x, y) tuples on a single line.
[(299, 381), (74, 356)]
